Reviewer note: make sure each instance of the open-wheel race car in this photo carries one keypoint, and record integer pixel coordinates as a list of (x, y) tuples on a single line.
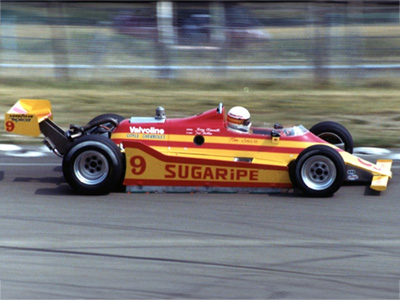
[(197, 153)]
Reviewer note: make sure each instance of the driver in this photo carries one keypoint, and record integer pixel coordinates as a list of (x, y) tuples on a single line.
[(239, 119)]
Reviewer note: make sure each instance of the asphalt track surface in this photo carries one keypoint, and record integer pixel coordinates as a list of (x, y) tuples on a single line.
[(57, 245)]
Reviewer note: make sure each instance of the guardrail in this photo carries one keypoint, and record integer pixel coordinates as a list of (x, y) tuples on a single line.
[(304, 39)]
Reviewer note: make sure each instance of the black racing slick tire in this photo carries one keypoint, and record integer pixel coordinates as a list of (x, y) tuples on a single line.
[(108, 127), (94, 165), (319, 171), (118, 118), (334, 133)]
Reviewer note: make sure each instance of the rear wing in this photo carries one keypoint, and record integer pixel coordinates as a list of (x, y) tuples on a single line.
[(26, 115), (34, 116)]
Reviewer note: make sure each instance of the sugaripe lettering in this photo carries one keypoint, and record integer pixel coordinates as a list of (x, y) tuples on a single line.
[(209, 173)]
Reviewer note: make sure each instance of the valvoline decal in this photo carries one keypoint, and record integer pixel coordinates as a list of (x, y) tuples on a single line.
[(146, 133), (140, 129)]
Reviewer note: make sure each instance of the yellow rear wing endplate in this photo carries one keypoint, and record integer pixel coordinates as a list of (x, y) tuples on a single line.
[(24, 117)]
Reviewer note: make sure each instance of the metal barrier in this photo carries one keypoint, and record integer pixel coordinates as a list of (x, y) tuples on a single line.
[(212, 39)]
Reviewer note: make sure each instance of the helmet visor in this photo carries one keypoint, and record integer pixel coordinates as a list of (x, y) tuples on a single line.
[(246, 122), (239, 121)]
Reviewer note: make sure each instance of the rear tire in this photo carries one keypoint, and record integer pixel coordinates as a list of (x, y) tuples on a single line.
[(94, 165), (105, 116), (319, 171), (108, 127), (334, 133)]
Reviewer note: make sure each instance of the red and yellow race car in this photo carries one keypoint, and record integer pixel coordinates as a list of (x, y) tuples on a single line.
[(197, 153)]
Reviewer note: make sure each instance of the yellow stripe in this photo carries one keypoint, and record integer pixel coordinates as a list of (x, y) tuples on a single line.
[(277, 159), (243, 141)]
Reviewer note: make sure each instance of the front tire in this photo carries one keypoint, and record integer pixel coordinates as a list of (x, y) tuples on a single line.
[(318, 171), (94, 165), (334, 133)]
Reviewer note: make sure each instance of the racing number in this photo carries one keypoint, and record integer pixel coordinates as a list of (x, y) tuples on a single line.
[(138, 165), (10, 126)]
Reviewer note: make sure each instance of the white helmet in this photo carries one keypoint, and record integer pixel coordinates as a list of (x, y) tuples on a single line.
[(239, 119)]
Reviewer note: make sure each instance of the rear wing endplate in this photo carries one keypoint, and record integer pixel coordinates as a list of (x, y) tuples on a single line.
[(26, 115), (34, 116)]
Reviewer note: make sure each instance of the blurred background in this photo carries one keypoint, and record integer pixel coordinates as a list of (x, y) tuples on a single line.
[(321, 40), (293, 62)]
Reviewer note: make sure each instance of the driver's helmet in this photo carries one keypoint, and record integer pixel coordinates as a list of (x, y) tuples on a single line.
[(239, 119)]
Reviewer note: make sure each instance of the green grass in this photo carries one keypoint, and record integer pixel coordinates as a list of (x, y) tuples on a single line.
[(369, 109)]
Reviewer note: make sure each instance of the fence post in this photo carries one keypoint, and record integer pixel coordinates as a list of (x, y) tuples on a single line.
[(58, 40), (321, 45), (166, 37), (218, 34), (8, 41)]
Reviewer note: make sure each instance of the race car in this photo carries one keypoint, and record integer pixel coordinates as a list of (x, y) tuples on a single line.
[(197, 153)]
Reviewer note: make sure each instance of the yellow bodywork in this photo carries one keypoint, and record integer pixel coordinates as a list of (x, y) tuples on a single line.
[(24, 117), (147, 167), (380, 182)]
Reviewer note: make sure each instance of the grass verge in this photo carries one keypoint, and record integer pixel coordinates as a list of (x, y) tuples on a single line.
[(369, 109)]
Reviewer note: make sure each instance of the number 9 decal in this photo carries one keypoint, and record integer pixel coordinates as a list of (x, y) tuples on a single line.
[(138, 165), (10, 126)]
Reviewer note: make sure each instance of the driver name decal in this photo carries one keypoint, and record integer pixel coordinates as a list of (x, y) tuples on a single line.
[(244, 141)]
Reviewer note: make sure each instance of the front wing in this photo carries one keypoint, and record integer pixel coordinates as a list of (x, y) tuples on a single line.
[(359, 170)]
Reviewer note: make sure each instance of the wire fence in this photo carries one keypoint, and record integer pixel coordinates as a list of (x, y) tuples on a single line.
[(200, 39)]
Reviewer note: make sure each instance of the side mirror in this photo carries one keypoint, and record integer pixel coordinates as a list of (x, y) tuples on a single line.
[(275, 135)]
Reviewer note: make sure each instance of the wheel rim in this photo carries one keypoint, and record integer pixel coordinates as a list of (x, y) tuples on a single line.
[(318, 172), (333, 139), (91, 167)]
